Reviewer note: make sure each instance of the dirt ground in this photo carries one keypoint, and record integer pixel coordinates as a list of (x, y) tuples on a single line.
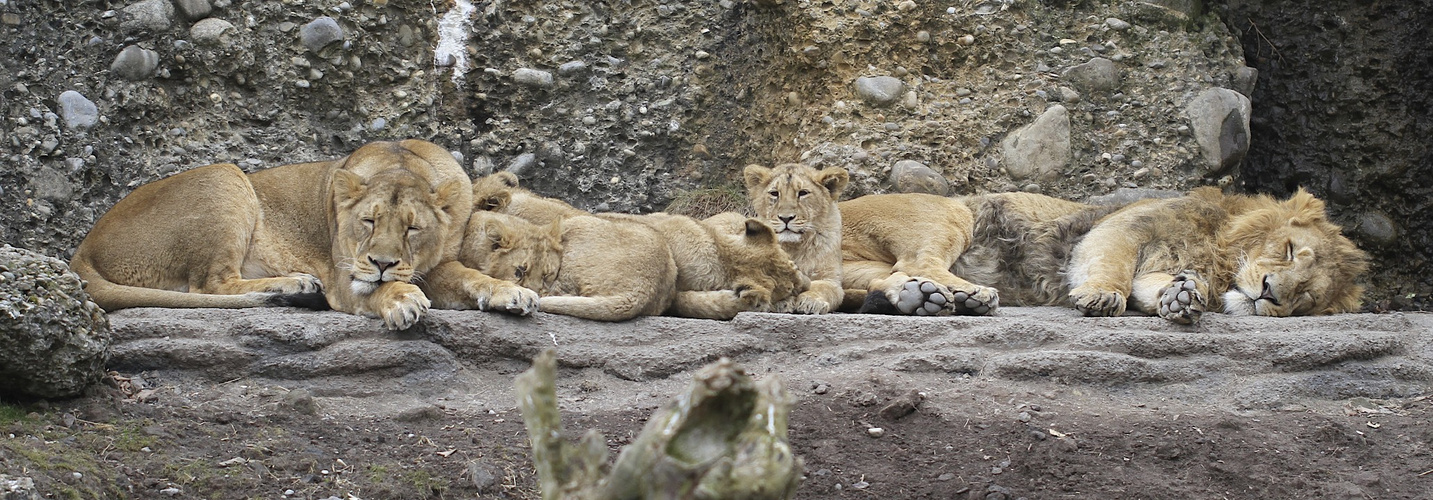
[(1079, 430)]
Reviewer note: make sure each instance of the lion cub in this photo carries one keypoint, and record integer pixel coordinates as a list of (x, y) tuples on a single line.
[(617, 266)]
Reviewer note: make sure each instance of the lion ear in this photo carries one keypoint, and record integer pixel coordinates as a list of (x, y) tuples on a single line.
[(758, 232), (756, 176), (447, 195), (494, 202), (347, 186), (1306, 208), (835, 180)]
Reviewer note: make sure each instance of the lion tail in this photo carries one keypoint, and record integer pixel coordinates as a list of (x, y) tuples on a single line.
[(114, 296)]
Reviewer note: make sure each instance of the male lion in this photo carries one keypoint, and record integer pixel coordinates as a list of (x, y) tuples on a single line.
[(924, 254), (1179, 257), (799, 203), (614, 266), (361, 229)]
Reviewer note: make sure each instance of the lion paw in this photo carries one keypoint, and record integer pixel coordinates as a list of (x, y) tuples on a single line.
[(406, 310), (1181, 301), (303, 283), (809, 303), (513, 299), (923, 297), (981, 301), (1094, 302)]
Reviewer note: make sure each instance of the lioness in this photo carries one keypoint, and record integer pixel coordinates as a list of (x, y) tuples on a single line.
[(360, 228), (799, 203), (924, 254), (1179, 257), (718, 273)]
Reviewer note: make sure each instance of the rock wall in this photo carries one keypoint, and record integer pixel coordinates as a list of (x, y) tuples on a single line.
[(623, 105)]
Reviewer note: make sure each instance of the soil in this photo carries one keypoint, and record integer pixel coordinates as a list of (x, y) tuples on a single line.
[(1017, 423)]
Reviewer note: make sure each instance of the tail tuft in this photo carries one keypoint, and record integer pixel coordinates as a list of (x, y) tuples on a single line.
[(877, 303), (310, 300)]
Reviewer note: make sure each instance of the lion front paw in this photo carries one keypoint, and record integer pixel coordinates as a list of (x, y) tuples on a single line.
[(980, 301), (1095, 302), (810, 303), (407, 306), (1181, 301), (303, 283), (512, 299)]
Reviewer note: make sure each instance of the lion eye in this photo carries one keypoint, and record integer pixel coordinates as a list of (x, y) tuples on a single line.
[(1289, 252), (520, 272), (803, 193), (368, 221), (413, 229), (774, 193)]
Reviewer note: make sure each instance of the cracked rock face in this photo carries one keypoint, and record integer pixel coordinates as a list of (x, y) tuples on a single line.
[(56, 341)]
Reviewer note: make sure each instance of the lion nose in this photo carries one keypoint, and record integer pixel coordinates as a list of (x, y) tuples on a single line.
[(1268, 292), (786, 219), (382, 263)]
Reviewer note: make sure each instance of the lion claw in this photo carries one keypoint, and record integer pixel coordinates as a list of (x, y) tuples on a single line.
[(1181, 301), (1098, 303), (409, 309)]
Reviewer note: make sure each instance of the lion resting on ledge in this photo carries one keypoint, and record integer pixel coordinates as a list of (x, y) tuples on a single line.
[(359, 229), (1179, 257)]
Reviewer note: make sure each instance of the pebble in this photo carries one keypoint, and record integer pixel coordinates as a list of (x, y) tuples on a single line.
[(320, 33), (194, 9), (377, 124), (212, 31), (521, 163), (153, 15), (879, 90), (533, 77), (78, 111), (1116, 24), (571, 68), (1099, 74), (876, 432), (922, 36), (135, 63)]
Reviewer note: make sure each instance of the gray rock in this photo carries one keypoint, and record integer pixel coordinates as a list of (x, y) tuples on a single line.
[(533, 77), (78, 111), (50, 184), (1125, 196), (212, 31), (522, 163), (482, 475), (1245, 79), (151, 15), (135, 63), (18, 488), (320, 34), (1097, 75), (571, 68), (908, 176), (193, 9), (880, 90), (1041, 149), (1378, 228), (1219, 119), (56, 341), (299, 401), (1116, 24)]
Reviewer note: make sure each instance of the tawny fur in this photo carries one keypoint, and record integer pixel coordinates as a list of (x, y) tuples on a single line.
[(799, 204), (362, 228)]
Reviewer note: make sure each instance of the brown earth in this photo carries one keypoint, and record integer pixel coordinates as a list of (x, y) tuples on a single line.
[(1036, 403)]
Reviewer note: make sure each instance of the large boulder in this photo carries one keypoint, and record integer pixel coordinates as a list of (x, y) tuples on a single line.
[(56, 341)]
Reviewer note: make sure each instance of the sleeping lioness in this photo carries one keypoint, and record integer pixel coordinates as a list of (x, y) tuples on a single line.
[(360, 229)]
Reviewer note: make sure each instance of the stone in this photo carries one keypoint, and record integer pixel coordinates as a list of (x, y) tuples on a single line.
[(151, 15), (522, 163), (212, 31), (482, 476), (1245, 79), (320, 33), (1219, 119), (135, 63), (78, 111), (194, 9), (56, 340), (1040, 150), (1116, 24), (1376, 227), (1097, 75), (299, 401), (50, 184), (880, 91), (533, 77), (909, 176), (18, 488), (571, 68)]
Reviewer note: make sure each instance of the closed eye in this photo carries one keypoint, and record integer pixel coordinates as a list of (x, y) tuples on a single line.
[(1289, 251), (774, 193), (368, 221)]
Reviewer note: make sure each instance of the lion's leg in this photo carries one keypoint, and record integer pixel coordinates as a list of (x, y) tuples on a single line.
[(233, 284), (1102, 268), (451, 285), (1178, 298), (715, 304), (603, 308)]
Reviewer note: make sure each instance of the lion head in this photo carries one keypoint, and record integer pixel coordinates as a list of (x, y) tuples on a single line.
[(794, 199), (512, 249), (391, 226), (1291, 260)]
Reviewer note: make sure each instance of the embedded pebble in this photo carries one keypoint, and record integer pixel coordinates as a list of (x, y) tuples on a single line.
[(153, 15), (320, 33), (876, 432), (880, 90), (211, 31), (377, 124), (571, 68), (532, 77), (522, 163), (193, 9), (78, 111), (1116, 24), (135, 63)]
